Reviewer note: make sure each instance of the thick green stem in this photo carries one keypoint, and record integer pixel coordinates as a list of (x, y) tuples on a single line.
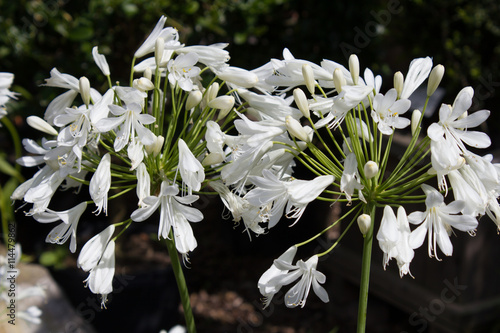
[(365, 272), (181, 284)]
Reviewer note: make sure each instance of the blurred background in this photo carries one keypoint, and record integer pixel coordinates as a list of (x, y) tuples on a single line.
[(464, 36)]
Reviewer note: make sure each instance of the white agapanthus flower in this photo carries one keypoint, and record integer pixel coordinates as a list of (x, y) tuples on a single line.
[(286, 273), (175, 215), (437, 221), (100, 184), (387, 110)]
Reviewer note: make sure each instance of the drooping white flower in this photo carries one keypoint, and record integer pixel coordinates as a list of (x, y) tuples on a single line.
[(100, 61), (238, 77), (393, 237), (100, 184), (94, 248), (386, 111), (213, 56), (436, 223), (175, 215), (350, 180), (308, 275), (289, 196), (65, 230), (191, 170), (100, 279), (129, 120), (269, 290)]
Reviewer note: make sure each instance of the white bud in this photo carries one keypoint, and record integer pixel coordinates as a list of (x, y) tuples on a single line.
[(434, 79), (296, 130), (239, 76), (398, 82), (301, 101), (415, 119), (213, 158), (224, 103), (354, 68), (338, 79), (155, 148), (148, 73), (85, 90), (212, 92), (41, 125), (143, 84), (364, 223), (370, 169), (194, 98), (308, 75), (159, 48)]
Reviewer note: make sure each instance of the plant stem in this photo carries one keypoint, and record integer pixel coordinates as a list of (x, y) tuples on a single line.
[(365, 272), (181, 284)]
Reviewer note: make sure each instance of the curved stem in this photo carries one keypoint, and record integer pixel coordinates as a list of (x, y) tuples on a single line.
[(181, 284), (365, 272)]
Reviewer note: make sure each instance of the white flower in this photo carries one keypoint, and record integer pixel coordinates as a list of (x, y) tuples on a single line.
[(308, 275), (174, 214), (213, 56), (192, 172), (270, 106), (100, 61), (6, 80), (350, 181), (128, 120), (436, 223), (100, 279), (100, 184), (269, 290), (292, 196), (143, 188), (455, 128), (65, 230), (182, 71), (94, 248), (386, 111), (393, 237), (417, 73), (238, 77), (169, 35)]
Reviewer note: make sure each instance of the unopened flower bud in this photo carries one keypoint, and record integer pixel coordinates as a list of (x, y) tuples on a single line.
[(159, 48), (434, 79), (212, 92), (415, 119), (338, 79), (213, 158), (364, 223), (155, 148), (224, 103), (85, 90), (398, 82), (308, 75), (301, 101), (239, 76), (296, 130), (370, 169), (143, 84), (148, 73), (194, 98), (354, 68), (41, 125)]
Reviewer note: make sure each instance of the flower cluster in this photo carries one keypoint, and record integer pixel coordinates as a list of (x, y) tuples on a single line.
[(146, 136), (169, 133), (342, 130)]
